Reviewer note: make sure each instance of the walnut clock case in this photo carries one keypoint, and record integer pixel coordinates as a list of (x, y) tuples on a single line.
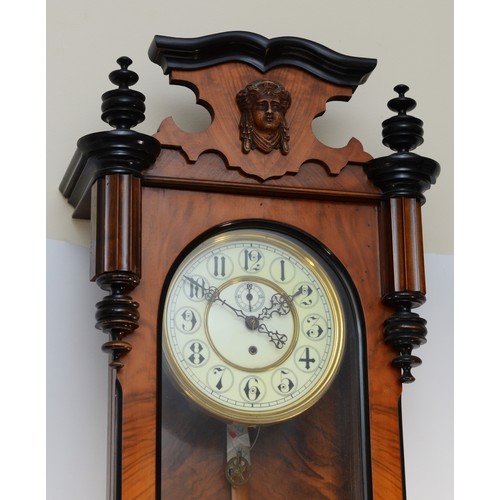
[(261, 285)]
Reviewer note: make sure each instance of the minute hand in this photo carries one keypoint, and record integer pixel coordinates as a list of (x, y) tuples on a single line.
[(238, 312)]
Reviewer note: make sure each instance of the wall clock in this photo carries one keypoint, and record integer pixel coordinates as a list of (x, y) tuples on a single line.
[(261, 285)]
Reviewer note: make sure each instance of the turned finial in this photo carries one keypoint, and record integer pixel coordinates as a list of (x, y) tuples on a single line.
[(402, 133), (123, 108)]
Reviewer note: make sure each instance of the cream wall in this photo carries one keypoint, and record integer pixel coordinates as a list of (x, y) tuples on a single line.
[(413, 44)]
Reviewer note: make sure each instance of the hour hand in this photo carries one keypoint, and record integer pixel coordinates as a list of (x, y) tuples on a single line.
[(280, 305)]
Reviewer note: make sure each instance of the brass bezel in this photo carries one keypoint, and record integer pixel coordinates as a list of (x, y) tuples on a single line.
[(247, 416)]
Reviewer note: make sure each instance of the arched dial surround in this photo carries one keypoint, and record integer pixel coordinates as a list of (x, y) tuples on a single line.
[(253, 328)]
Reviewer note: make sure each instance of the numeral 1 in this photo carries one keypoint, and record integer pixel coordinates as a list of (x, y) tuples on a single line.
[(282, 269)]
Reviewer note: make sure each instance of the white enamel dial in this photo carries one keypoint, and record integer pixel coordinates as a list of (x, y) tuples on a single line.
[(253, 329)]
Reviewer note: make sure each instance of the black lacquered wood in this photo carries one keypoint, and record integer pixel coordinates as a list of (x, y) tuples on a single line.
[(123, 107), (403, 173), (117, 314), (113, 151), (262, 53), (405, 331)]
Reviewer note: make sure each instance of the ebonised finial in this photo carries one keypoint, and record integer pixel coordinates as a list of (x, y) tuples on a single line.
[(123, 108), (403, 132), (403, 173)]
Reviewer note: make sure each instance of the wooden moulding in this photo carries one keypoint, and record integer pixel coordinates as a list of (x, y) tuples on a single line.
[(262, 53), (173, 171)]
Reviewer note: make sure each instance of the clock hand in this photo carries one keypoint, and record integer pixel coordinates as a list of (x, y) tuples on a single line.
[(238, 312), (249, 296), (253, 323), (280, 304), (278, 339), (211, 294)]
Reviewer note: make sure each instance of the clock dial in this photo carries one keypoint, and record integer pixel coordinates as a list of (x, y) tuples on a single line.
[(253, 328)]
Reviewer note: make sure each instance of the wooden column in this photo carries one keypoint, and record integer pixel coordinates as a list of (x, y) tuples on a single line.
[(104, 183), (403, 177), (405, 282), (116, 257)]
